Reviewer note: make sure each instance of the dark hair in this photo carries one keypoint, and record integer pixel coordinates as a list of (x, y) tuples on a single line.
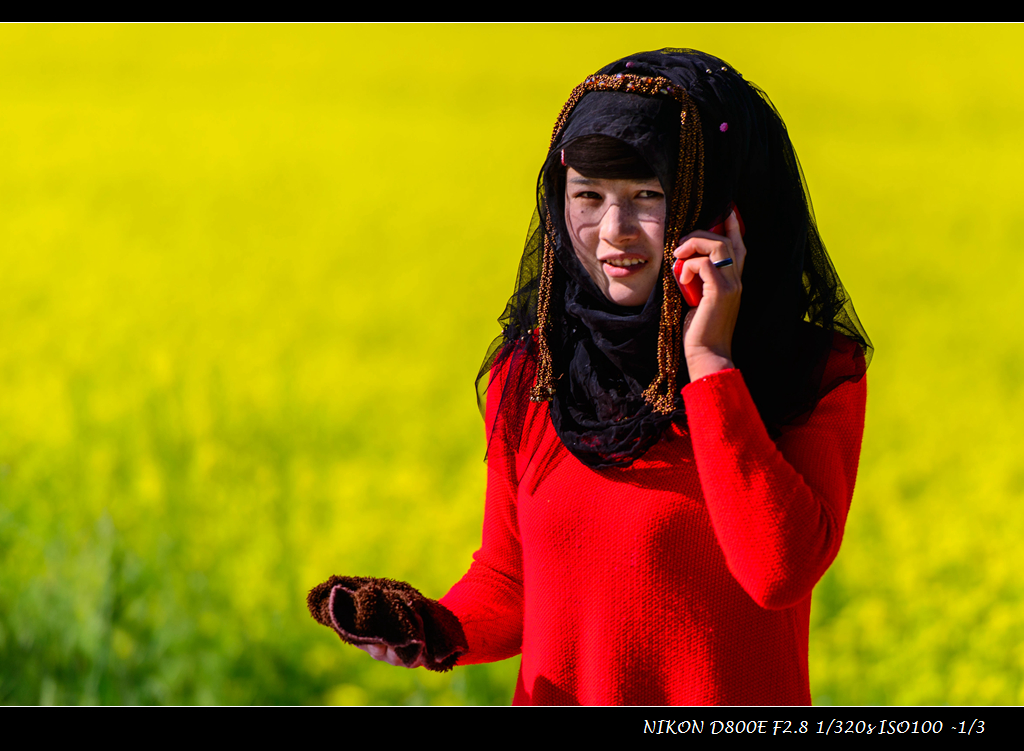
[(607, 158)]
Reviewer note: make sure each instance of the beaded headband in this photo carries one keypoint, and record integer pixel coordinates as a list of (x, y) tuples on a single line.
[(682, 218)]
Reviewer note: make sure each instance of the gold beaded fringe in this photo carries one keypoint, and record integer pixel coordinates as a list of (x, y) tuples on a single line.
[(682, 217), (544, 387)]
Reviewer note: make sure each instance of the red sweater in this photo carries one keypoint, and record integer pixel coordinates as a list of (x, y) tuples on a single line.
[(684, 579)]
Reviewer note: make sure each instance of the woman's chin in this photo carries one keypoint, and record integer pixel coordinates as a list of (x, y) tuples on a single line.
[(628, 296), (631, 294)]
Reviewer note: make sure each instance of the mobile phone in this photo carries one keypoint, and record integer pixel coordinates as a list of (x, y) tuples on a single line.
[(693, 290)]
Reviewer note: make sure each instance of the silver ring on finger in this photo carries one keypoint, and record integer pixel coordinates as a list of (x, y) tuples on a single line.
[(723, 263)]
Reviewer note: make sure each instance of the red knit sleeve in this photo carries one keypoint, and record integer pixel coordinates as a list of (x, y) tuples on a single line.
[(778, 509), (488, 600)]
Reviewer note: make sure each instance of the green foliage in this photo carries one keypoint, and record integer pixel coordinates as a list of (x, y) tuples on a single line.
[(249, 274)]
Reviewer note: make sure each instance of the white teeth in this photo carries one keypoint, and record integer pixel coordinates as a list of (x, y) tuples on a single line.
[(624, 262)]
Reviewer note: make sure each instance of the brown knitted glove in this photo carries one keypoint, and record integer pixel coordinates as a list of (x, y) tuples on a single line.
[(364, 611)]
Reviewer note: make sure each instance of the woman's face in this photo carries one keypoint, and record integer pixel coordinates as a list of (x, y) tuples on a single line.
[(618, 232)]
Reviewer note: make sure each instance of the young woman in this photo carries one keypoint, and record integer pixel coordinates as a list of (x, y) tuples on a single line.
[(674, 413)]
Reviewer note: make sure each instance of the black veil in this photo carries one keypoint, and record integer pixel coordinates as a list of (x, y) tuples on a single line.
[(715, 141)]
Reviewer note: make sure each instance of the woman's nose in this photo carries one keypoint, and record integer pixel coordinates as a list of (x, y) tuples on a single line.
[(619, 223)]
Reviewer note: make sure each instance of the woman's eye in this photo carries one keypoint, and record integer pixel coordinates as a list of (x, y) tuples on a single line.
[(651, 194), (589, 195)]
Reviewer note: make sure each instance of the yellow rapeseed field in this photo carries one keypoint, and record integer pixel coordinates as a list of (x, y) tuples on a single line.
[(249, 274)]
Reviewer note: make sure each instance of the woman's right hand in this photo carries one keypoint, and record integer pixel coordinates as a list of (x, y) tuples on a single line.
[(387, 654), (388, 619)]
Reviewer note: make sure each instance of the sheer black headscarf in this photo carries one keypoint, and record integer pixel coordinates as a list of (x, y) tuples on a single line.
[(601, 364)]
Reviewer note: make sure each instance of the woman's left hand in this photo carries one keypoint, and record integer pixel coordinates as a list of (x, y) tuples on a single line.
[(708, 328)]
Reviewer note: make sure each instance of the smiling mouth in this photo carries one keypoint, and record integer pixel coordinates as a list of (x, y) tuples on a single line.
[(624, 262)]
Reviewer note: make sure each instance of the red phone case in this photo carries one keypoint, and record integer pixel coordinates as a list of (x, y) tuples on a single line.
[(693, 290)]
